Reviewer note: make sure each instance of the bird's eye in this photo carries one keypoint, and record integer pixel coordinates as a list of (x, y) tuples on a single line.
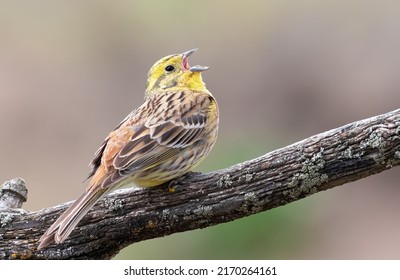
[(169, 68)]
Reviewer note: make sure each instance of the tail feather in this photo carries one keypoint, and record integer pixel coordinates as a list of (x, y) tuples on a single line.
[(64, 225)]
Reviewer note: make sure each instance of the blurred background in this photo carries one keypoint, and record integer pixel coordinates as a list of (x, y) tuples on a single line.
[(282, 71)]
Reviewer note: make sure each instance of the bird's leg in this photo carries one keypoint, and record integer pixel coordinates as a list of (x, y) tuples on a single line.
[(177, 182)]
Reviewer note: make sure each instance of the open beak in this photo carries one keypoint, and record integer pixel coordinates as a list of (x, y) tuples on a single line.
[(196, 68)]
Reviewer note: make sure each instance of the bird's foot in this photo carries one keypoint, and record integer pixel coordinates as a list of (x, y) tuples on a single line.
[(177, 182)]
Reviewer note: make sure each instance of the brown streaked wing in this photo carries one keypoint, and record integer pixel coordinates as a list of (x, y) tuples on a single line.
[(175, 136), (159, 155), (136, 148), (96, 161), (159, 139)]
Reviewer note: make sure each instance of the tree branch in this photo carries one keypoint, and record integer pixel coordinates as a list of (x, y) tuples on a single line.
[(127, 216)]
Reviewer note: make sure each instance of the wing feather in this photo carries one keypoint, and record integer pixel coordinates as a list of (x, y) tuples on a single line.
[(159, 132)]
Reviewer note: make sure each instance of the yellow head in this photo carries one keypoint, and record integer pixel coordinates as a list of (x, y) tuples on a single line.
[(173, 71)]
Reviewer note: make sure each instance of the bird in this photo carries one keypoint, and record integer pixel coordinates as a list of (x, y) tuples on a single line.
[(169, 134)]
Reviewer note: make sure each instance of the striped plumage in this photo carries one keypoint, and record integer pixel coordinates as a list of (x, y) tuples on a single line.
[(169, 134)]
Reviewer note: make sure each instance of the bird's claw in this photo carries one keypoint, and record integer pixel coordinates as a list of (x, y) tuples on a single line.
[(177, 182)]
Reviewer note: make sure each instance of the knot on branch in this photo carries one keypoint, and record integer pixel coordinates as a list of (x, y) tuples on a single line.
[(13, 194)]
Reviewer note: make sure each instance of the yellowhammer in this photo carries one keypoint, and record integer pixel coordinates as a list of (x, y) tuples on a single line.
[(170, 133)]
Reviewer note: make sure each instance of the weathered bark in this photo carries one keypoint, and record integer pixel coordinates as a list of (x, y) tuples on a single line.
[(126, 216)]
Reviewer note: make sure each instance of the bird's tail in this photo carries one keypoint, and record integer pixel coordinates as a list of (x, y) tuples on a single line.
[(63, 226)]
